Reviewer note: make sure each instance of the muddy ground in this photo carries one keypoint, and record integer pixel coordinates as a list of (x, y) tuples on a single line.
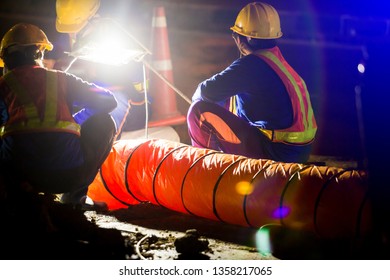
[(159, 233)]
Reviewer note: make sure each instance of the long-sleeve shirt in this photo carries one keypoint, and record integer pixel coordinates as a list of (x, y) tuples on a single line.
[(261, 97)]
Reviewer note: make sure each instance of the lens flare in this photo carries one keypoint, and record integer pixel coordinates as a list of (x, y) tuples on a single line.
[(281, 212), (244, 188), (263, 241), (361, 68)]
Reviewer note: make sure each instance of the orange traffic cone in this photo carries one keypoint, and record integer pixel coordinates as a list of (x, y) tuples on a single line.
[(164, 110)]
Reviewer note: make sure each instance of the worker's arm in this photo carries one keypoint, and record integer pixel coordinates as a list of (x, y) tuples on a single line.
[(223, 85), (89, 96)]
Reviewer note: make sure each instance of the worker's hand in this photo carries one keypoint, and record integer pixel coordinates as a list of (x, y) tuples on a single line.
[(244, 48)]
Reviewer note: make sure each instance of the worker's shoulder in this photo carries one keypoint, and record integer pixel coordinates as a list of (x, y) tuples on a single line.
[(66, 75), (250, 59), (249, 62)]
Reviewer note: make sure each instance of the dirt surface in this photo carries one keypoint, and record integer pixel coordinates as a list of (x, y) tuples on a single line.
[(171, 235), (42, 228)]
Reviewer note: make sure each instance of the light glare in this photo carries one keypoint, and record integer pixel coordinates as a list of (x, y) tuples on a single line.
[(244, 188), (263, 241), (361, 68)]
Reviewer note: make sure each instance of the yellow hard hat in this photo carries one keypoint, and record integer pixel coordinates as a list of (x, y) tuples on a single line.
[(25, 34), (259, 21), (73, 15)]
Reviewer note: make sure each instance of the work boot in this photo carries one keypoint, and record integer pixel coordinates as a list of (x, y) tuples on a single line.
[(87, 204), (84, 203)]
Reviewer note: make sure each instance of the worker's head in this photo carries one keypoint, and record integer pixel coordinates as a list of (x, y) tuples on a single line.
[(24, 44), (257, 26), (73, 15)]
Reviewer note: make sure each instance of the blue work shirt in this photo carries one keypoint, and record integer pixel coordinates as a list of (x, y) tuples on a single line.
[(261, 96)]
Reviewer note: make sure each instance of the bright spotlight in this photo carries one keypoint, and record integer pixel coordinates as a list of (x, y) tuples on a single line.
[(106, 42), (107, 54)]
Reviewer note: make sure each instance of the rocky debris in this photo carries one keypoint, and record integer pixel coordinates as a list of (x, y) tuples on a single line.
[(147, 246), (191, 245)]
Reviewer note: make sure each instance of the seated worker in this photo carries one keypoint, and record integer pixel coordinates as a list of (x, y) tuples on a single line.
[(258, 107), (39, 135)]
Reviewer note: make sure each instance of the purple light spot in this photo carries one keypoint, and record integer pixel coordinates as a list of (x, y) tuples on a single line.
[(281, 212)]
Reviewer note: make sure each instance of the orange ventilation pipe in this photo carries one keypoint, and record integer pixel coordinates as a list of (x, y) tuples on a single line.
[(330, 201)]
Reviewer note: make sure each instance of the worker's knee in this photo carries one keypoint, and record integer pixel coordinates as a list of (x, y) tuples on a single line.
[(97, 127)]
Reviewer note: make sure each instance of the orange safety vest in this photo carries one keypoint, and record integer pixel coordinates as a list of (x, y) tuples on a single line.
[(32, 121), (304, 126)]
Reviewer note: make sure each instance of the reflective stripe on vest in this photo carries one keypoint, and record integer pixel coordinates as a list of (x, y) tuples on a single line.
[(304, 125), (49, 122), (233, 104)]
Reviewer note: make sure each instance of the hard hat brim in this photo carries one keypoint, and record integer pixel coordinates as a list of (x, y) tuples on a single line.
[(69, 28), (238, 31)]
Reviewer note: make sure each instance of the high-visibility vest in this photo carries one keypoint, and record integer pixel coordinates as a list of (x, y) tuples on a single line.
[(33, 122), (304, 126)]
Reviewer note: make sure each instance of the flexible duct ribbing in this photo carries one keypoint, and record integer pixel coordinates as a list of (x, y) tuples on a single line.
[(329, 201)]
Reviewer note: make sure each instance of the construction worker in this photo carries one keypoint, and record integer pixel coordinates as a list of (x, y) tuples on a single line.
[(258, 107), (39, 136), (85, 26)]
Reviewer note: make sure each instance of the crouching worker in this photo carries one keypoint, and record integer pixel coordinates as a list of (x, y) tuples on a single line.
[(39, 135)]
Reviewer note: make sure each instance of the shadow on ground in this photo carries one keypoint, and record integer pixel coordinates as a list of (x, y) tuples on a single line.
[(159, 218)]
